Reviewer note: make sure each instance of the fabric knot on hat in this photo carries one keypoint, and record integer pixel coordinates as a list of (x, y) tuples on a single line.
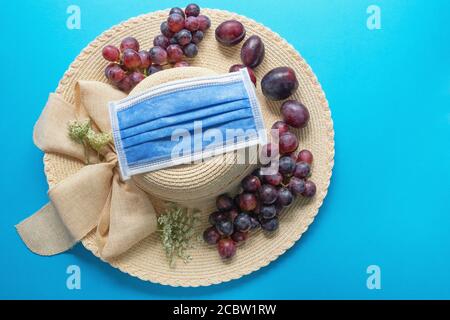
[(94, 197)]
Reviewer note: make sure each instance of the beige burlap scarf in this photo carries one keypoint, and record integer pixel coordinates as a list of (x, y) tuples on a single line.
[(94, 197)]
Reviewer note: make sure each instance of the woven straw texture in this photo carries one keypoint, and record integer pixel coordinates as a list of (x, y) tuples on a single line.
[(147, 260)]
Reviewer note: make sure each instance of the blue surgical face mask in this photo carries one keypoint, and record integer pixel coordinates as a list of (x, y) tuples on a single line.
[(184, 121)]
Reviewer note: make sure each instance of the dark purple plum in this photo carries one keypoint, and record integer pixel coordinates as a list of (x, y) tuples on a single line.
[(230, 32), (295, 114), (252, 52), (279, 83)]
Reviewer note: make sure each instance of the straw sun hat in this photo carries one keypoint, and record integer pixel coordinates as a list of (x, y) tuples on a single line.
[(197, 185)]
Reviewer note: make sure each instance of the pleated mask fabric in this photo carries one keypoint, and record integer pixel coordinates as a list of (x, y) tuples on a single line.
[(184, 121)]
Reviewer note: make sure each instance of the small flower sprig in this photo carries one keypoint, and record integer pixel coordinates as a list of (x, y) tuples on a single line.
[(177, 229), (81, 132)]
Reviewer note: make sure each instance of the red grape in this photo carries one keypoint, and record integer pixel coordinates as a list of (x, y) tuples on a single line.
[(203, 23), (191, 50), (192, 10), (268, 194), (295, 114), (181, 64), (239, 237), (111, 53), (174, 53), (310, 189), (302, 170), (161, 41), (126, 84), (146, 61), (251, 183), (197, 36), (285, 197), (305, 156), (252, 52), (288, 143), (247, 201), (251, 73), (274, 179), (242, 222), (225, 227), (184, 37), (211, 235), (154, 68), (224, 203), (191, 23), (129, 43), (230, 33), (131, 59), (136, 77), (158, 55), (297, 186), (115, 73), (165, 30), (270, 225), (281, 126), (175, 22), (286, 165), (268, 211), (226, 248), (177, 10)]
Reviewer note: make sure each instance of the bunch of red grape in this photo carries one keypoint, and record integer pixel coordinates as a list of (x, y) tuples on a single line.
[(179, 38), (260, 202)]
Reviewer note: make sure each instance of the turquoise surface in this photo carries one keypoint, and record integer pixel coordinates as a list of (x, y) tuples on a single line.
[(388, 204)]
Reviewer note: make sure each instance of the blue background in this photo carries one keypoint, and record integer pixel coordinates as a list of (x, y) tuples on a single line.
[(388, 203)]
